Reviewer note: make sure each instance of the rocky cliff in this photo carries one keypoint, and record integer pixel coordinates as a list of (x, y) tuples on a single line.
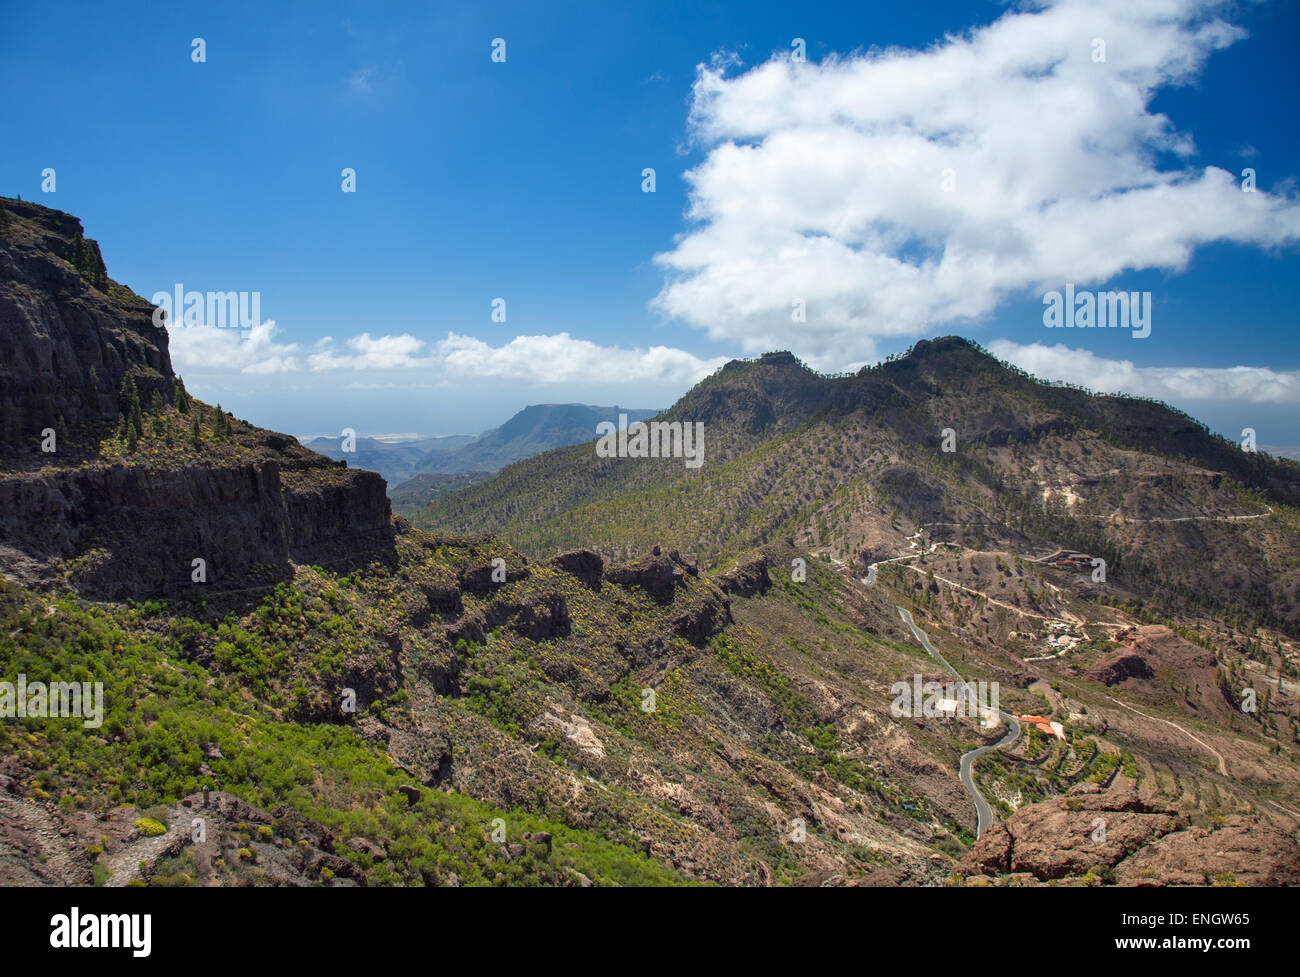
[(62, 317), (1092, 834), (119, 517)]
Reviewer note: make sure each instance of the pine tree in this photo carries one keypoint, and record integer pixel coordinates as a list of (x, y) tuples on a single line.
[(127, 396), (181, 397), (87, 260), (196, 436)]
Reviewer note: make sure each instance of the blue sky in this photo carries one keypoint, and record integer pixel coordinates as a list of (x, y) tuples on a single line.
[(777, 181)]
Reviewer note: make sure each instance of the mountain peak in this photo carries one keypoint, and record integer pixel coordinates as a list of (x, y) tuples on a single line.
[(942, 346), (780, 358)]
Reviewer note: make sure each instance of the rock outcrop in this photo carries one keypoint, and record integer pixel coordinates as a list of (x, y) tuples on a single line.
[(1237, 850), (133, 526), (129, 531), (1117, 836), (586, 565), (1117, 667), (656, 574), (61, 318), (747, 578)]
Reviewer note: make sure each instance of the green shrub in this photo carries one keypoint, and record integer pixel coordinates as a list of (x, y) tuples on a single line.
[(150, 827)]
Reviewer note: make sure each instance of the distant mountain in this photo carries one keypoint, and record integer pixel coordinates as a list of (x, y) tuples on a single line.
[(397, 461), (533, 430)]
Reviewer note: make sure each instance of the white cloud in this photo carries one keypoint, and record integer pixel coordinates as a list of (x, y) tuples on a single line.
[(370, 353), (561, 359), (1249, 384), (824, 182), (209, 349), (535, 360)]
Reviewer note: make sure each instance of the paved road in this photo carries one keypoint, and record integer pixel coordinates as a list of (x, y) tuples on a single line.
[(922, 637), (983, 813)]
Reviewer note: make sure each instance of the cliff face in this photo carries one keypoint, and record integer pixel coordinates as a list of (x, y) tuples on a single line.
[(1142, 844), (119, 531), (116, 522), (61, 316)]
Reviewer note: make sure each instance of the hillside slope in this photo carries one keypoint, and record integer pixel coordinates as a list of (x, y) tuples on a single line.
[(374, 703), (856, 465)]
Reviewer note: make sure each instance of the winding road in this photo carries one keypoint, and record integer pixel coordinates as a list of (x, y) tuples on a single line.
[(983, 813)]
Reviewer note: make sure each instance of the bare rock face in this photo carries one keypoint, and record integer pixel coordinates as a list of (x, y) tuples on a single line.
[(708, 615), (1090, 830), (539, 618), (1239, 850), (1117, 667), (1067, 836), (656, 574), (586, 565), (747, 578), (701, 609), (135, 530), (324, 505), (60, 317)]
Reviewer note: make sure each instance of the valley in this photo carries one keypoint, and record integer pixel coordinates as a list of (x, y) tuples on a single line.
[(611, 670)]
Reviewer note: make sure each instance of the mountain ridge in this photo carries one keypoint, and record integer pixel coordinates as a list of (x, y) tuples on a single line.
[(371, 701), (791, 452)]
